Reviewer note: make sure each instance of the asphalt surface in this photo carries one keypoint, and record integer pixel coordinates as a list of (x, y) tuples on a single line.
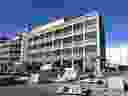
[(50, 89)]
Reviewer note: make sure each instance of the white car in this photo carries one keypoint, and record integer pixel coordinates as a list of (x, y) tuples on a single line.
[(46, 67)]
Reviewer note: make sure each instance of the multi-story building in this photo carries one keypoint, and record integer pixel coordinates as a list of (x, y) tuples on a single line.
[(5, 56), (21, 42), (18, 54), (12, 53), (74, 41)]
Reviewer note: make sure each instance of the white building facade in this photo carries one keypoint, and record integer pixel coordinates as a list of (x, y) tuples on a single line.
[(74, 40)]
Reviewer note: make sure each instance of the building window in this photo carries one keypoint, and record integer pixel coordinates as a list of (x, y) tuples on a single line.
[(35, 38), (80, 64), (48, 35), (75, 51), (91, 35), (89, 27), (78, 37), (42, 45), (68, 30), (57, 43), (48, 45), (68, 18), (91, 48), (68, 40), (57, 64), (35, 55), (42, 36), (78, 27), (59, 52), (30, 40), (45, 38), (67, 52), (58, 33), (78, 51), (67, 63), (91, 22)]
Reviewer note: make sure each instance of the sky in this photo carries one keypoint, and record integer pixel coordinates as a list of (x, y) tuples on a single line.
[(117, 38), (116, 33), (116, 28), (9, 30), (37, 20)]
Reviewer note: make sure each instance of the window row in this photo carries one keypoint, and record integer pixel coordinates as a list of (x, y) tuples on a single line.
[(71, 51), (67, 30), (61, 42)]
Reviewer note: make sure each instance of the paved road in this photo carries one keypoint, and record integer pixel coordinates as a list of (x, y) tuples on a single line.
[(47, 90), (50, 89), (19, 91)]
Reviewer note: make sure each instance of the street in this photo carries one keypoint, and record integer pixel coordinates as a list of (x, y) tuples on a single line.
[(49, 89), (98, 90)]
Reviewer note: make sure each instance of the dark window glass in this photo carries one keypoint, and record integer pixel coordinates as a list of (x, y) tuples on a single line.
[(67, 64), (90, 22), (57, 43), (78, 37), (67, 51), (33, 47), (58, 52), (91, 48), (49, 44), (78, 27), (42, 45), (68, 40), (42, 36), (35, 38), (66, 29), (90, 35), (67, 18), (58, 33), (81, 51)]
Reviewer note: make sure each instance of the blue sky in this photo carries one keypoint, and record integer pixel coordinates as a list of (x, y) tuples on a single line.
[(117, 30), (9, 30)]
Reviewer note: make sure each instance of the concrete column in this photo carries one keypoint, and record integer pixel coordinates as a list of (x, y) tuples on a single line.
[(22, 49), (84, 50), (72, 46), (62, 55), (98, 47)]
